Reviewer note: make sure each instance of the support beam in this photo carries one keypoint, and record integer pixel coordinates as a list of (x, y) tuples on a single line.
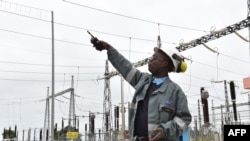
[(58, 94), (199, 41)]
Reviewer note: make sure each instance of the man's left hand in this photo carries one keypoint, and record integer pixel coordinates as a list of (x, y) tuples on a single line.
[(157, 136)]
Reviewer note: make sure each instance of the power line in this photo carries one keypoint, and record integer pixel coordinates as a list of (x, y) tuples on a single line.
[(130, 17), (72, 26), (77, 43), (47, 65), (49, 73), (206, 65), (33, 80), (42, 37)]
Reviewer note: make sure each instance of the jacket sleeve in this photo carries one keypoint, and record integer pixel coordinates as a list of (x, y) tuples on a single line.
[(123, 66)]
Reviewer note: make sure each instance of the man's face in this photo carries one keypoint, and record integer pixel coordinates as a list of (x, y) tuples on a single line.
[(158, 64)]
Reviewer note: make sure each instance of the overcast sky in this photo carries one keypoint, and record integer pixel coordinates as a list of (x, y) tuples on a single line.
[(130, 26)]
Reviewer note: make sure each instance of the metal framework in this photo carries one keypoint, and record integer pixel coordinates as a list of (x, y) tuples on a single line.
[(199, 41), (214, 35), (72, 105), (47, 122), (46, 118), (107, 108)]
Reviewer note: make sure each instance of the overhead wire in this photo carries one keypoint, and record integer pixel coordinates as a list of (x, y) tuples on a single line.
[(39, 80), (49, 73), (47, 65), (100, 31), (130, 17), (102, 67), (76, 43)]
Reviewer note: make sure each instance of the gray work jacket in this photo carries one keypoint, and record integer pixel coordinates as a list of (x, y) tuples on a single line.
[(167, 106)]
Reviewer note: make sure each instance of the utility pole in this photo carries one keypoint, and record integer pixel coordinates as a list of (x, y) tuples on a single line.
[(53, 80), (213, 114), (227, 118), (195, 129), (222, 124), (199, 114), (199, 118), (122, 109)]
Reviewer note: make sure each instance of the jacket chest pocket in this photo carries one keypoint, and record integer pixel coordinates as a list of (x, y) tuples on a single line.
[(166, 113)]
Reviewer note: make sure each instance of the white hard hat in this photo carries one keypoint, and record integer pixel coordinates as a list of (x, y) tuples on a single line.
[(176, 57)]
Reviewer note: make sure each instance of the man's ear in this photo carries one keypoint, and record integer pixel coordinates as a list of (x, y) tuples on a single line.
[(166, 63)]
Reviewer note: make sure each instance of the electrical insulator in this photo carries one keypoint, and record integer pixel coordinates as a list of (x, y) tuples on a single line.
[(62, 125), (86, 127), (47, 135), (232, 90), (15, 130), (107, 121), (99, 133), (117, 111), (75, 121), (4, 133), (78, 123), (233, 97), (41, 134), (206, 112), (92, 123), (55, 129), (116, 117), (202, 99), (9, 132), (204, 96)]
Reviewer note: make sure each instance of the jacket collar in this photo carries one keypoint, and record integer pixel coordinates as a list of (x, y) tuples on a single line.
[(159, 80)]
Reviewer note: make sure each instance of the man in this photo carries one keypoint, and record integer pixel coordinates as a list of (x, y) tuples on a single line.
[(159, 109)]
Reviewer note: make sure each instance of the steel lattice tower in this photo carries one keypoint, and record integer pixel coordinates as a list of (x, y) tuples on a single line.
[(107, 109), (72, 105)]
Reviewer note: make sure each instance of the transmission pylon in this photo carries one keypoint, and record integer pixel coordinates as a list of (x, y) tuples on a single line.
[(46, 119), (107, 109)]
